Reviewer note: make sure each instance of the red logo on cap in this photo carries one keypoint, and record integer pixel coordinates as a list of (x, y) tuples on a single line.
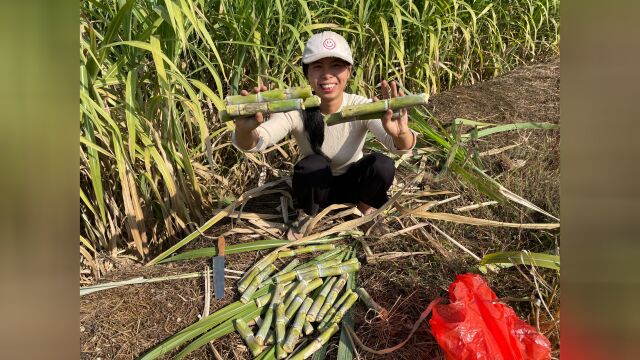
[(329, 44)]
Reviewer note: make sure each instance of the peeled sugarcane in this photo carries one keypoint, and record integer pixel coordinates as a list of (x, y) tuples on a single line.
[(376, 109), (246, 334), (242, 110), (319, 301), (305, 249), (316, 344), (257, 280), (268, 317), (339, 314), (301, 92), (280, 331), (296, 328), (333, 295), (334, 307)]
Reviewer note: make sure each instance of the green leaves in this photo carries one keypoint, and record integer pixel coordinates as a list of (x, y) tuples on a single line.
[(522, 258)]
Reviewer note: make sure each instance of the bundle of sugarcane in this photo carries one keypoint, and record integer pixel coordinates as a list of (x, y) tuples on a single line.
[(307, 298), (376, 110), (267, 102)]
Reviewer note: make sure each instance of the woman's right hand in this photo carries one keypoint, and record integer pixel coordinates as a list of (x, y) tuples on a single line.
[(245, 125)]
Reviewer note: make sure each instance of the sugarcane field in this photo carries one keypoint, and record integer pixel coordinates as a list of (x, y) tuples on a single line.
[(319, 179)]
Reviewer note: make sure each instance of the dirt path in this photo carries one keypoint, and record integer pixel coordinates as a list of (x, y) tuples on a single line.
[(123, 323)]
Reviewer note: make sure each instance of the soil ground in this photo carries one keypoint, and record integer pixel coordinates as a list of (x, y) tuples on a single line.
[(126, 322)]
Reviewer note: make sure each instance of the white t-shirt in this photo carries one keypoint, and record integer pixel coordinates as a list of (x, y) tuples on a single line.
[(343, 143)]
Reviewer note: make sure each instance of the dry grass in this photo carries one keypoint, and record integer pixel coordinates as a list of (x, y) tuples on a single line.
[(124, 323)]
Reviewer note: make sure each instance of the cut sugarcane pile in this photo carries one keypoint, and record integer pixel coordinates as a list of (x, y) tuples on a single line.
[(307, 301)]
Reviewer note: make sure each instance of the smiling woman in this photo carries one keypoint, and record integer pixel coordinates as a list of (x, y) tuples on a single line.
[(333, 168)]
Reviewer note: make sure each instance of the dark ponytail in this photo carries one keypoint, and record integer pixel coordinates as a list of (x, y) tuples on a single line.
[(313, 121)]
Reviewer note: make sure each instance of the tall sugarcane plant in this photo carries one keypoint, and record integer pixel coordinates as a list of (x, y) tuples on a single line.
[(155, 156)]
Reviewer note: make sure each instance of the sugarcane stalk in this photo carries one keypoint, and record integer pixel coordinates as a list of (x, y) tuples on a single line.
[(337, 316), (290, 266), (331, 271), (266, 298), (242, 110), (333, 295), (257, 280), (246, 280), (260, 265), (316, 344), (334, 307), (371, 304), (305, 249), (293, 307), (280, 331), (319, 301), (317, 269), (300, 285), (268, 317), (296, 328), (246, 334), (300, 92), (297, 273), (376, 108), (307, 327)]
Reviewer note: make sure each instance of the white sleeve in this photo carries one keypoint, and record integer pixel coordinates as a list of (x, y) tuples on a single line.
[(269, 132)]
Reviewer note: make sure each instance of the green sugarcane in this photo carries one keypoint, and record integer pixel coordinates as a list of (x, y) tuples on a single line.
[(270, 95), (317, 269), (246, 334), (310, 286), (335, 316), (293, 308), (334, 307), (331, 271), (305, 250), (266, 298), (333, 295), (244, 110), (319, 301), (268, 317), (376, 109), (370, 303), (246, 280), (290, 266), (300, 285), (316, 344), (257, 280), (280, 331), (270, 338), (307, 327), (297, 273), (296, 328), (260, 265)]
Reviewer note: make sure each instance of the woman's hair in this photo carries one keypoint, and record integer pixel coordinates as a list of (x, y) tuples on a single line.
[(313, 121)]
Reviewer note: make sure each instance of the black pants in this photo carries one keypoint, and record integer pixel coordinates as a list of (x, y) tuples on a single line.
[(367, 180)]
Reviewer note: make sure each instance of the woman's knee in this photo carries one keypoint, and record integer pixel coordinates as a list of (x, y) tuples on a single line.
[(311, 164), (383, 166)]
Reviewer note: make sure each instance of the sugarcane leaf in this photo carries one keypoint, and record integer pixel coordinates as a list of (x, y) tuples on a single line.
[(130, 109), (523, 258), (517, 126), (460, 121), (230, 249)]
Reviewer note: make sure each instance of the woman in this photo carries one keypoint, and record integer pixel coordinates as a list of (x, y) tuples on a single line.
[(333, 169)]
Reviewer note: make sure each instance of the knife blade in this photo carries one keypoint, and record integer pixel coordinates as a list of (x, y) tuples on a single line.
[(218, 270)]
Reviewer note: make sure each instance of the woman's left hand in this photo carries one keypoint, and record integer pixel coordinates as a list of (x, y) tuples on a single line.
[(397, 128)]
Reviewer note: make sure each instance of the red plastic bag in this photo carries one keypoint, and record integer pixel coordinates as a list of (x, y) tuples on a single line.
[(473, 327)]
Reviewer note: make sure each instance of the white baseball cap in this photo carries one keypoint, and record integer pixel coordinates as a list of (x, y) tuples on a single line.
[(326, 44)]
